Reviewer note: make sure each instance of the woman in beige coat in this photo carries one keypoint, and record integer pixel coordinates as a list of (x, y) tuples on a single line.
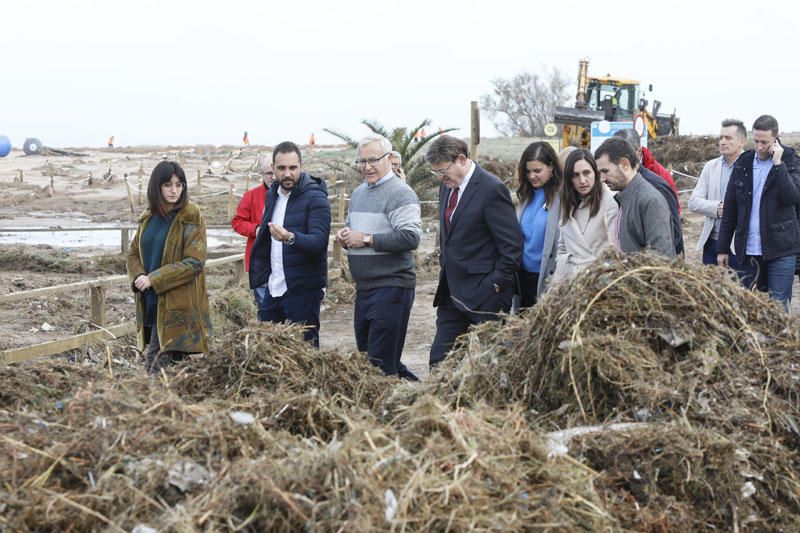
[(588, 216)]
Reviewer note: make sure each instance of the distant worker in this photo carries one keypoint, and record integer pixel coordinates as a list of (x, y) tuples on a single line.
[(760, 213), (312, 140), (382, 230), (396, 158), (111, 142), (644, 218), (709, 193), (290, 253), (248, 218), (166, 268), (660, 184), (245, 139)]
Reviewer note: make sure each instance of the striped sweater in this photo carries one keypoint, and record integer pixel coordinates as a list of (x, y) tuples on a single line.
[(389, 211)]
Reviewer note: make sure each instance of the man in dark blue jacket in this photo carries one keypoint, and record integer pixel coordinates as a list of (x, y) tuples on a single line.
[(760, 205), (290, 253)]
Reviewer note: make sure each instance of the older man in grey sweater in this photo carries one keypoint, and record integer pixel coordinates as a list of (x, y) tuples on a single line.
[(383, 229), (644, 217)]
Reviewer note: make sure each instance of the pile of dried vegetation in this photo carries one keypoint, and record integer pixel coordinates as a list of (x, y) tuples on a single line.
[(645, 395), (706, 372), (269, 434)]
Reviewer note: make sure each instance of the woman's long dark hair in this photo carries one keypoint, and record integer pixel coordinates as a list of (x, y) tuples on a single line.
[(163, 174), (543, 153), (570, 199)]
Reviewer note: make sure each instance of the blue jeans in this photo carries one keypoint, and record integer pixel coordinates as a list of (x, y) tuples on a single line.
[(300, 307), (775, 276), (710, 255), (259, 293)]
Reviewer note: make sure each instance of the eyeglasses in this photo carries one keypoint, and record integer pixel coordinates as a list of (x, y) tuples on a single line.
[(372, 160), (267, 174), (441, 173)]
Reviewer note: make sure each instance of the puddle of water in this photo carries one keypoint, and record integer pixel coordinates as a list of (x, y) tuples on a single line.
[(216, 238)]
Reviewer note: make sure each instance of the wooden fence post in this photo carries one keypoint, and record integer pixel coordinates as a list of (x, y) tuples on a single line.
[(475, 130), (139, 183), (198, 181), (230, 203), (98, 305), (340, 216), (247, 182), (20, 175), (238, 272), (130, 197), (124, 241)]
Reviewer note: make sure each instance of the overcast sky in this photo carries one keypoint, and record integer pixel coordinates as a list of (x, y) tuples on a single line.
[(186, 72)]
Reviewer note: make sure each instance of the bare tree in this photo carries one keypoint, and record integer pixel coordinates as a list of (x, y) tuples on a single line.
[(524, 104)]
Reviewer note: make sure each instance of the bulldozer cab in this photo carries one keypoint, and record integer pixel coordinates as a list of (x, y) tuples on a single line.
[(617, 99)]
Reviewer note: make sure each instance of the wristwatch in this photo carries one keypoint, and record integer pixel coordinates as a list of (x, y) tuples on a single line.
[(367, 240), (290, 240)]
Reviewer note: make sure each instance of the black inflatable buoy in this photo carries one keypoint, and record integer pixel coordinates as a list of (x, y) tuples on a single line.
[(32, 147)]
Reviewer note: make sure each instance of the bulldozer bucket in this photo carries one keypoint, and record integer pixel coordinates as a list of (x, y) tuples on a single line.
[(578, 117)]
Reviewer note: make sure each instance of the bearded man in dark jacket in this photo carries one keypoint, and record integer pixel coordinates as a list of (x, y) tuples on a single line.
[(290, 253)]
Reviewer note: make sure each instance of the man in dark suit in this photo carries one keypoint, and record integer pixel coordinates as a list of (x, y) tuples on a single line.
[(480, 243)]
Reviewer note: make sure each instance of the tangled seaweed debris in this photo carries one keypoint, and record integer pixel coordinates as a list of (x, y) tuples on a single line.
[(645, 395), (136, 453), (265, 357), (692, 477), (641, 339), (42, 386)]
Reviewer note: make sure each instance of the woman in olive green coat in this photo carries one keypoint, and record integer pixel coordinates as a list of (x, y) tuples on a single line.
[(166, 268)]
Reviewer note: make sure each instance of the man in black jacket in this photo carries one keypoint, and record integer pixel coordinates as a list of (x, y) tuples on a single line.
[(761, 204), (290, 253)]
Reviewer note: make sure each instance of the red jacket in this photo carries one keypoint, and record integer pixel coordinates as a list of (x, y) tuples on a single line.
[(248, 218), (649, 162)]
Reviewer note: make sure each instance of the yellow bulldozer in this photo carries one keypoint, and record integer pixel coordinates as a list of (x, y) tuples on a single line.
[(612, 99)]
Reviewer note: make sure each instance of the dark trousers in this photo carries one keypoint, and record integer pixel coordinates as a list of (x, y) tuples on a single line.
[(300, 307), (775, 276), (380, 323), (710, 255), (154, 358), (528, 286), (452, 321)]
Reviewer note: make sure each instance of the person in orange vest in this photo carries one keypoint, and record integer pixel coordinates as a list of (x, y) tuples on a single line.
[(312, 140), (111, 142), (418, 136), (246, 139)]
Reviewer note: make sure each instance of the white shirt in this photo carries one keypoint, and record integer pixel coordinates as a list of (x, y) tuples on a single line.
[(463, 186), (277, 278)]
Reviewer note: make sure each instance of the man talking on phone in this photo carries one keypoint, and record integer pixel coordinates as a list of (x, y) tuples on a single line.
[(760, 206)]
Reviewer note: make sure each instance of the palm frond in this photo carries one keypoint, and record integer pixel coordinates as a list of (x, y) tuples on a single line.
[(346, 138)]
